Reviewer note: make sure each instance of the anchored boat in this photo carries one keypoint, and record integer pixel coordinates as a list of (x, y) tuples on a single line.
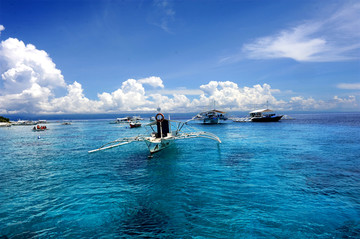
[(40, 128), (126, 119), (162, 133), (135, 124), (211, 116), (264, 115)]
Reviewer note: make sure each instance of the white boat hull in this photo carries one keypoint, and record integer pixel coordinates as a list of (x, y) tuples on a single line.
[(211, 120), (158, 144)]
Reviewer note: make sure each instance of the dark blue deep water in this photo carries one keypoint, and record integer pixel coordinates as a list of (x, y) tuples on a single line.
[(292, 179)]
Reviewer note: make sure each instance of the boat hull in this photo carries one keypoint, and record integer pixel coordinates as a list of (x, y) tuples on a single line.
[(266, 119), (156, 146), (135, 125), (211, 120)]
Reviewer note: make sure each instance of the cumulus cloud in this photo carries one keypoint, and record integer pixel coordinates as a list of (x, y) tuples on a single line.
[(232, 97), (30, 79), (331, 38), (74, 101), (178, 91), (23, 65), (153, 81), (2, 28), (28, 75), (131, 96)]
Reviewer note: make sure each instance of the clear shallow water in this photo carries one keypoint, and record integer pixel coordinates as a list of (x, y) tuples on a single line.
[(292, 179)]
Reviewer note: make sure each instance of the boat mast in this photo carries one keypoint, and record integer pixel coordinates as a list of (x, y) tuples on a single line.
[(161, 134)]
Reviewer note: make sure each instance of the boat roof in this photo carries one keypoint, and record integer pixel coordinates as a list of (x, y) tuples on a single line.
[(261, 111)]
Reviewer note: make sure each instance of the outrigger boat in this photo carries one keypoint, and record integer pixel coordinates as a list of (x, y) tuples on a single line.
[(211, 116), (126, 119), (162, 133), (264, 115)]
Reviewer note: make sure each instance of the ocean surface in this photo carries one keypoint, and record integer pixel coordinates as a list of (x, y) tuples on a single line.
[(291, 179)]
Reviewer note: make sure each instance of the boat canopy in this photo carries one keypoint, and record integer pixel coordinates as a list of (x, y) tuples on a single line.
[(261, 111)]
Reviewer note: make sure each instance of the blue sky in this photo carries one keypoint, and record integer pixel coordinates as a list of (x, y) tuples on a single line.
[(298, 55)]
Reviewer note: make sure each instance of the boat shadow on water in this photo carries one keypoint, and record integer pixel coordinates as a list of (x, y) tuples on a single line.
[(143, 220)]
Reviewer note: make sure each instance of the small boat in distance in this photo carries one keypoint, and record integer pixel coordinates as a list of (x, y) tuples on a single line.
[(264, 115), (23, 122), (39, 128), (135, 124), (126, 119)]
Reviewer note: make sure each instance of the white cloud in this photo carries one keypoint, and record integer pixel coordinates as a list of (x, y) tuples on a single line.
[(230, 96), (74, 101), (176, 103), (178, 91), (30, 79), (349, 86), (350, 99), (300, 103), (131, 96), (23, 65), (162, 15), (295, 44), (2, 28), (275, 91), (153, 81), (332, 38)]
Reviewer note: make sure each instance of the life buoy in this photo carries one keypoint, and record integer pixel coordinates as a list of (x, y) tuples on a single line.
[(161, 117)]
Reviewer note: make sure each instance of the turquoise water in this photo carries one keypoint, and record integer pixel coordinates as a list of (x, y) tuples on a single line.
[(292, 179)]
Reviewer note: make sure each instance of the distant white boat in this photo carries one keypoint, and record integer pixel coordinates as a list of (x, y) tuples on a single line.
[(23, 122), (126, 119), (211, 117), (5, 124), (264, 115)]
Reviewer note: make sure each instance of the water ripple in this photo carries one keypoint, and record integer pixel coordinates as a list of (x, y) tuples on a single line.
[(283, 180)]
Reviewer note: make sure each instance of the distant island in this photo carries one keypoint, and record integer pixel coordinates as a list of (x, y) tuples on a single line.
[(3, 119)]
